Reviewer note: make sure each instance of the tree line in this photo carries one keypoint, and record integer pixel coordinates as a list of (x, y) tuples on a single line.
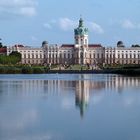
[(13, 58)]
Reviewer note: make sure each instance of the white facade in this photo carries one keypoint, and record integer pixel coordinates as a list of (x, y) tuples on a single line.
[(29, 55), (122, 55)]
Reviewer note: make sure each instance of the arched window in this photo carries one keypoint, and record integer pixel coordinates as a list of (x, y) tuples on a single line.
[(60, 55), (134, 55), (25, 56), (28, 55), (118, 55), (81, 41), (76, 41), (64, 55), (98, 55), (86, 41), (126, 56), (32, 55), (85, 55)]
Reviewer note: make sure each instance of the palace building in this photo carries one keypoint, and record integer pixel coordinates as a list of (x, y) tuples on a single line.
[(81, 52)]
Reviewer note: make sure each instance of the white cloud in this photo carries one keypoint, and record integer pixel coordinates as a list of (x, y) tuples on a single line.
[(27, 11), (96, 99), (18, 7), (50, 24), (25, 118), (66, 24), (53, 21), (96, 28), (47, 25), (33, 38), (128, 24), (67, 103)]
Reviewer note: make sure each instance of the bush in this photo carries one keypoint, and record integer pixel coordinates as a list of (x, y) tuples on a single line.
[(13, 70), (9, 70), (2, 70), (37, 70), (27, 70)]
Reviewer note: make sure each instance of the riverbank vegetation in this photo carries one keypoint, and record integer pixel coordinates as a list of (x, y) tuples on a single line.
[(12, 65), (126, 69), (22, 69), (13, 58)]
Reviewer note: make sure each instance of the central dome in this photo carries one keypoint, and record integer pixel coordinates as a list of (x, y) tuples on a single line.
[(81, 30)]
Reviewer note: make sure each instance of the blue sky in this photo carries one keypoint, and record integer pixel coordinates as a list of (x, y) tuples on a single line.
[(29, 22)]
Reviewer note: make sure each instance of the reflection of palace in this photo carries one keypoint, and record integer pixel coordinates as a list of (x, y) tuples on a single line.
[(82, 88), (82, 94)]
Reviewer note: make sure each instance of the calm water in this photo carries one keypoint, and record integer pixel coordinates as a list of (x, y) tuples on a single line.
[(69, 107)]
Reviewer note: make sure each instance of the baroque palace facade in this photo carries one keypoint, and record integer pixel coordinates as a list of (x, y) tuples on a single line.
[(81, 52)]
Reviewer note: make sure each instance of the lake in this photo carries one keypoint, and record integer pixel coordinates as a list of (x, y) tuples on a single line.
[(69, 107)]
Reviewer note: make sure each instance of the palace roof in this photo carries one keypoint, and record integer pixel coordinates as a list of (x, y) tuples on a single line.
[(90, 45), (3, 50), (67, 45), (95, 45), (20, 46)]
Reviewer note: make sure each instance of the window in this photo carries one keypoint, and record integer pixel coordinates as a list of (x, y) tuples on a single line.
[(32, 55), (64, 55), (98, 55), (134, 55), (86, 41), (28, 55), (90, 55), (93, 55), (76, 41), (118, 55), (68, 55), (60, 55)]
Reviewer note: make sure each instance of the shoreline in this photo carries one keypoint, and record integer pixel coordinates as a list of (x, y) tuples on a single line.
[(106, 71), (45, 70), (127, 72)]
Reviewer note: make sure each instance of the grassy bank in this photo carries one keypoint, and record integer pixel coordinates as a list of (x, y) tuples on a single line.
[(129, 69), (23, 69)]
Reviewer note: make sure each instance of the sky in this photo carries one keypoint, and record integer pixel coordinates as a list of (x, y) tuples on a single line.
[(29, 22)]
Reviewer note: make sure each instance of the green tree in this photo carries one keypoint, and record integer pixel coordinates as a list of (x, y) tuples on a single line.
[(1, 45), (15, 57)]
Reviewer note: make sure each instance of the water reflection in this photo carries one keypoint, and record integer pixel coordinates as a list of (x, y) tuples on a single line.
[(31, 108), (82, 88)]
